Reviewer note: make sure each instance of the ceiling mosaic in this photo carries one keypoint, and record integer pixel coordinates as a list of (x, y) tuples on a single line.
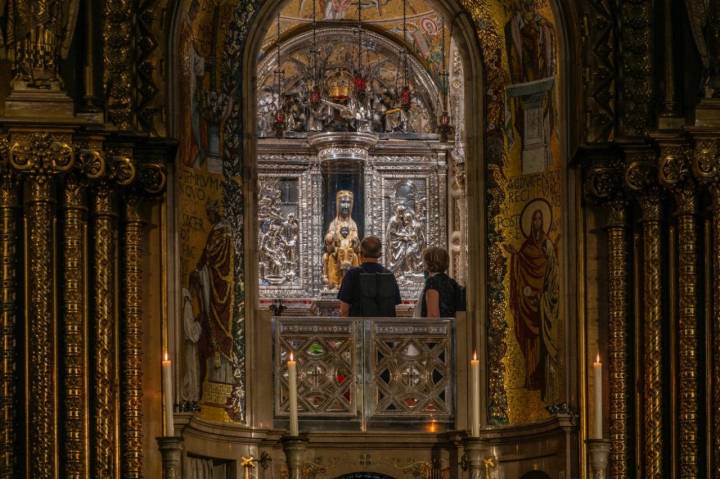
[(424, 23)]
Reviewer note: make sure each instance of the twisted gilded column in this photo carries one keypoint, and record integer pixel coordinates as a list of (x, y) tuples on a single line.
[(715, 393), (104, 332), (76, 454), (706, 168), (40, 156), (8, 318), (618, 350), (652, 320), (674, 171), (603, 184), (641, 177), (687, 329), (131, 401)]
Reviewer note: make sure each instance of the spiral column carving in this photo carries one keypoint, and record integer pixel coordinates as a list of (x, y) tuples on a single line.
[(715, 393), (618, 351), (131, 402), (641, 179), (652, 319), (8, 319), (104, 332)]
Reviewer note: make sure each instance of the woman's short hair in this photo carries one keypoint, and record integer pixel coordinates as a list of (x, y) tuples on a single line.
[(436, 259)]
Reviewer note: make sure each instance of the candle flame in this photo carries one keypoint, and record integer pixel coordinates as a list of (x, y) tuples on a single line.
[(474, 355), (597, 360), (165, 357), (292, 358)]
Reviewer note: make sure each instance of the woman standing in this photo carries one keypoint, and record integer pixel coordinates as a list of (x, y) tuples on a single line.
[(442, 296)]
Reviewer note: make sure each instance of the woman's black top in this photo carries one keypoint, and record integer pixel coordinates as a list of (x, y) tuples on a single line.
[(450, 292)]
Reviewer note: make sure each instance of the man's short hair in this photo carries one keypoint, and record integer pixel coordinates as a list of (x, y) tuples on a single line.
[(371, 247), (436, 259)]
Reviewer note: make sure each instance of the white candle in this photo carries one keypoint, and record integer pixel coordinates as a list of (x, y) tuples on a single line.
[(597, 422), (292, 393), (474, 396), (168, 396)]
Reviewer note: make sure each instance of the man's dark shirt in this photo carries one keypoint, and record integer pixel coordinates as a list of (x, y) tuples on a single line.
[(350, 289)]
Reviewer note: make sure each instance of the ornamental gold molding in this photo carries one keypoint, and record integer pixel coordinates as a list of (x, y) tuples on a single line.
[(636, 65), (119, 70), (41, 153)]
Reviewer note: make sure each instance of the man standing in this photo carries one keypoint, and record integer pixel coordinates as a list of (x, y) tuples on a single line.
[(369, 290)]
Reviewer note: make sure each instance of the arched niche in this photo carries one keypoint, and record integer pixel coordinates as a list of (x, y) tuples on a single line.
[(220, 104)]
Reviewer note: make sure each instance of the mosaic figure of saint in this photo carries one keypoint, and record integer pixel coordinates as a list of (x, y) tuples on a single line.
[(215, 277), (535, 299)]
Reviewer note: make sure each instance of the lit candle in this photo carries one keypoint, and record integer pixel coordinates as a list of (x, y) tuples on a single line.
[(292, 392), (475, 396), (168, 396), (597, 376)]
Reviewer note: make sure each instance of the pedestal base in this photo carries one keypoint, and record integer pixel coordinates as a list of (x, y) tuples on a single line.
[(707, 113), (599, 451), (171, 451), (37, 103), (294, 447), (479, 460)]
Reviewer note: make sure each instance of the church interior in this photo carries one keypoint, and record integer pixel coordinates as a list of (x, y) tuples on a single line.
[(185, 184)]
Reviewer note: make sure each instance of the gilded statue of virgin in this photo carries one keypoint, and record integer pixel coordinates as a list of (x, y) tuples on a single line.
[(341, 242)]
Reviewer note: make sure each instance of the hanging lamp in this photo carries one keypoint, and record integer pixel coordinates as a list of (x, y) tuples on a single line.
[(405, 94), (315, 93), (359, 82), (445, 127), (279, 123)]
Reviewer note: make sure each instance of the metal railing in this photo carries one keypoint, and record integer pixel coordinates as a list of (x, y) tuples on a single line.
[(366, 372)]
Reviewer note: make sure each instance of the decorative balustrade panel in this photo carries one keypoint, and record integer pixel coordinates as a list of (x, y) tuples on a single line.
[(377, 370), (327, 365), (410, 365)]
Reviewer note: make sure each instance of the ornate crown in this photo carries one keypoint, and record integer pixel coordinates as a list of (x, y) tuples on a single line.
[(339, 85)]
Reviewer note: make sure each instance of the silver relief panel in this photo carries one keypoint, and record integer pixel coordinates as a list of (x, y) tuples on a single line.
[(415, 179), (285, 226), (406, 207)]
